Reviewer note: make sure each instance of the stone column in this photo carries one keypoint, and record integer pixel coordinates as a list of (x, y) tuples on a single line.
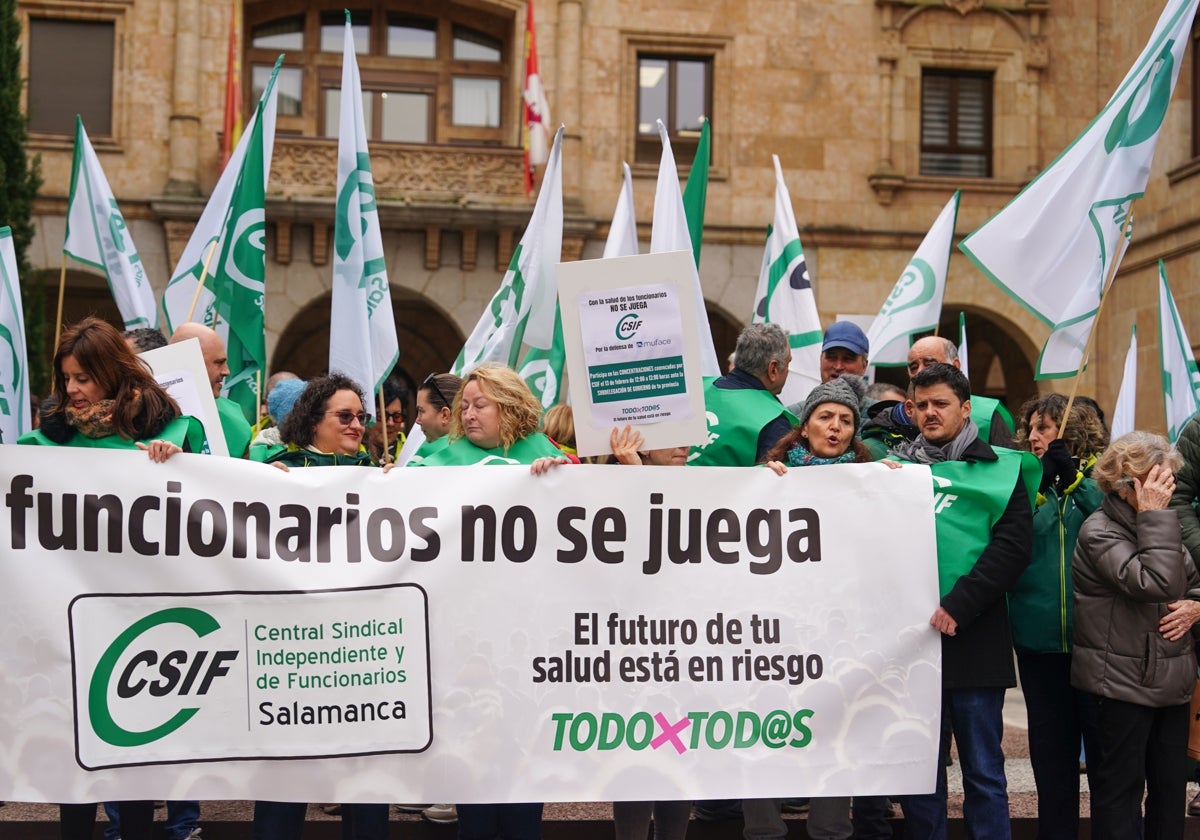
[(183, 158), (569, 46)]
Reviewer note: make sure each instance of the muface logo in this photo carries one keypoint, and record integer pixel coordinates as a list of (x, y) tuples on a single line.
[(160, 674)]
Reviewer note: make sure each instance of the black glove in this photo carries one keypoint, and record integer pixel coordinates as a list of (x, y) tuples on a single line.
[(1058, 467)]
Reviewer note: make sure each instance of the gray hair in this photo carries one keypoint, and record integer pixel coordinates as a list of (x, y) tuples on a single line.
[(1132, 456), (760, 344)]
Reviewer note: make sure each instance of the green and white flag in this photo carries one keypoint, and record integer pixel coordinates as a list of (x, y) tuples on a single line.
[(962, 344), (15, 414), (523, 309), (669, 231), (1180, 378), (1125, 413), (97, 235), (362, 326), (1051, 248), (695, 191), (915, 302), (238, 278), (181, 289), (785, 296)]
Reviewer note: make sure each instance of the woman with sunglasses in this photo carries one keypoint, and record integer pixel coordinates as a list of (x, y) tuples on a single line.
[(325, 426), (324, 429)]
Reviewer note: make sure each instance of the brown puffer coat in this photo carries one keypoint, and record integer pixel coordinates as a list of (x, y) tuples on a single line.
[(1127, 567)]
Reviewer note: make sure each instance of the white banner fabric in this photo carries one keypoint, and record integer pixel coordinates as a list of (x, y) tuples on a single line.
[(216, 629)]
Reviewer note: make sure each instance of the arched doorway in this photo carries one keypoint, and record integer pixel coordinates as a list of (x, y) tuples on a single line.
[(999, 355), (429, 341), (725, 330)]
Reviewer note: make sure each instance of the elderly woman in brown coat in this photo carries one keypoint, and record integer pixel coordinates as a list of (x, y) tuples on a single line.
[(1137, 596)]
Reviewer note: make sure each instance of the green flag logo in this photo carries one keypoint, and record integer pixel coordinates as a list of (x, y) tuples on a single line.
[(244, 263), (1152, 96), (915, 287)]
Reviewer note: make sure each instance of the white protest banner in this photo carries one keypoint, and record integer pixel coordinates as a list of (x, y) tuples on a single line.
[(633, 349), (217, 629), (180, 369)]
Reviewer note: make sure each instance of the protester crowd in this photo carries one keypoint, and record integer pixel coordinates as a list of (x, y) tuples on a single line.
[(1074, 569)]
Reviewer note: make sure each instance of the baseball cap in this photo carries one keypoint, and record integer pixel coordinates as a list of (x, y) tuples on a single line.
[(845, 334)]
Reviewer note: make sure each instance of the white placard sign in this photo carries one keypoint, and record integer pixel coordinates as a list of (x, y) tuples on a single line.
[(212, 628), (180, 369), (632, 351)]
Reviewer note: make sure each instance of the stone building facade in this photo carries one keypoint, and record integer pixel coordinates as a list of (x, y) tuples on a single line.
[(878, 110)]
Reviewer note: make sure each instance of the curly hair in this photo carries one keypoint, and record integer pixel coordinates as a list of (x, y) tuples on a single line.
[(301, 422), (1132, 456), (104, 355), (1084, 433), (520, 410)]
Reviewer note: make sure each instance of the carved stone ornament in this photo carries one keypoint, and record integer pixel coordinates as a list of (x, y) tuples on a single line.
[(964, 7)]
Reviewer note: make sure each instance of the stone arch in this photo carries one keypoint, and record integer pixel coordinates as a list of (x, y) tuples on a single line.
[(429, 339), (1001, 357), (725, 329)]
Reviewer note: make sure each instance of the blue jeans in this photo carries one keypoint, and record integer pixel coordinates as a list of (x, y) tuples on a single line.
[(975, 715), (182, 817), (285, 821), (511, 821)]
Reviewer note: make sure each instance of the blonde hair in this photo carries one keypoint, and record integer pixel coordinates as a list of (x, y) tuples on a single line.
[(1132, 456), (559, 425), (520, 410)]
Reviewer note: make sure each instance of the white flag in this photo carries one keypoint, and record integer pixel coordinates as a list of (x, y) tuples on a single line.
[(669, 232), (523, 308), (362, 325), (1180, 378), (1053, 246), (915, 302), (785, 296), (1123, 415), (97, 235), (622, 233), (15, 413), (181, 290), (962, 344)]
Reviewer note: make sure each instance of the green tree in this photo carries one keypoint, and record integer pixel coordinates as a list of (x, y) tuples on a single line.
[(20, 179)]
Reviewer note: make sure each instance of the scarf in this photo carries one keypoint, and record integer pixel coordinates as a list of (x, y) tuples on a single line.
[(921, 451), (798, 456), (96, 420)]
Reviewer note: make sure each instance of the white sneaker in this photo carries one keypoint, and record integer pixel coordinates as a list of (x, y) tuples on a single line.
[(441, 814)]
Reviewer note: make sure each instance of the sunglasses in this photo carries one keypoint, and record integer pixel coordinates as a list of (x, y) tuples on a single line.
[(395, 418), (431, 382), (347, 417)]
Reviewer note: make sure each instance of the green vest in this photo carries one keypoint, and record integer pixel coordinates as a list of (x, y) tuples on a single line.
[(238, 433), (185, 432), (462, 453), (983, 409), (428, 448), (735, 420), (969, 497)]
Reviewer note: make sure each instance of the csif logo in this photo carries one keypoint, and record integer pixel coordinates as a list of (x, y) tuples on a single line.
[(628, 326), (155, 672)]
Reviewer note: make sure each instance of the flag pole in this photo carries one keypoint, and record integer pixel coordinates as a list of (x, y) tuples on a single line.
[(387, 443), (1087, 349), (258, 399), (62, 288), (203, 276)]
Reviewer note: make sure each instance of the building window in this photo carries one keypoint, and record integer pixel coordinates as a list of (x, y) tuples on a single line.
[(59, 89), (678, 91), (956, 123), (425, 79)]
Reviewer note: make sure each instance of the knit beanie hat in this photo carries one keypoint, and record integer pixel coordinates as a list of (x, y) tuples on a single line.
[(282, 397), (847, 390)]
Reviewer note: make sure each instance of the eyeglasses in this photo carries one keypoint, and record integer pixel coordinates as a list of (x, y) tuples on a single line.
[(431, 382), (395, 417), (347, 417)]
